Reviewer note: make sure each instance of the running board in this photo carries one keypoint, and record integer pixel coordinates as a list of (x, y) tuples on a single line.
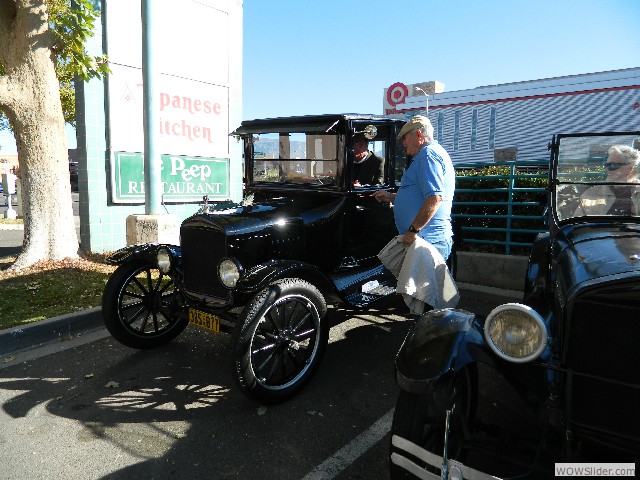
[(362, 299)]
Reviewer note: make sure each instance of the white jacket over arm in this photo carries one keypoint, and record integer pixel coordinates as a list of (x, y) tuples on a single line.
[(422, 273)]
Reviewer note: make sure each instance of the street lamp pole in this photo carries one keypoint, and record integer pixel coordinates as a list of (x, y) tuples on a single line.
[(426, 95)]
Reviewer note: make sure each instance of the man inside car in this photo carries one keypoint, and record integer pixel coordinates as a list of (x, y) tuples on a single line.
[(368, 168)]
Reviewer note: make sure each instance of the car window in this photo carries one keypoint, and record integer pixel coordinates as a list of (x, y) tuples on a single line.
[(369, 175), (402, 162), (297, 158), (598, 176)]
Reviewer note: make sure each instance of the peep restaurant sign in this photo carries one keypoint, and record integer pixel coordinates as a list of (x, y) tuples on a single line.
[(192, 101), (184, 178)]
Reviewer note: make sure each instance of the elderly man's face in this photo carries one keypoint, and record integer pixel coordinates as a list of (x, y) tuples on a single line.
[(618, 170), (412, 141)]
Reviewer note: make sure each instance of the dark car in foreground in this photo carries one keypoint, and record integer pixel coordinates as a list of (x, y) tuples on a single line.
[(266, 269), (569, 353)]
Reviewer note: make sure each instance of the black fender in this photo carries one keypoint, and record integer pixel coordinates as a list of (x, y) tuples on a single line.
[(540, 276), (441, 341), (146, 252), (260, 276), (445, 341)]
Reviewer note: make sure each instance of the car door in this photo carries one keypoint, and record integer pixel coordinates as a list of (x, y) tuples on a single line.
[(371, 224)]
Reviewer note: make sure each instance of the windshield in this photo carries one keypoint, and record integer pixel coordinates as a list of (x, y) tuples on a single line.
[(598, 176), (298, 158)]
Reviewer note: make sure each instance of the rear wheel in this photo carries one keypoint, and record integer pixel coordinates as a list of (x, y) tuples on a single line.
[(420, 419), (141, 307), (279, 340)]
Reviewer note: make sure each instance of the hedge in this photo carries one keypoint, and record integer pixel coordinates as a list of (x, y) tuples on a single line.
[(468, 179)]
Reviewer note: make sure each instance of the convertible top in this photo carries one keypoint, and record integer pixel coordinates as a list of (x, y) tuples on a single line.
[(306, 123)]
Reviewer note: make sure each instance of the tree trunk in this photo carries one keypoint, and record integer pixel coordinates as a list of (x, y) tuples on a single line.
[(29, 94)]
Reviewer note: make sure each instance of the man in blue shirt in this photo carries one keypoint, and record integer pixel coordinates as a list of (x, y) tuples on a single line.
[(422, 206)]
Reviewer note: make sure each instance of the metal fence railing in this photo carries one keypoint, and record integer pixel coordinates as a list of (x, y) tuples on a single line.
[(500, 205)]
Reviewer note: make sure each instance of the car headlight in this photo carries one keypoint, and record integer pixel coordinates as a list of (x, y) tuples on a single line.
[(164, 259), (515, 332), (228, 272)]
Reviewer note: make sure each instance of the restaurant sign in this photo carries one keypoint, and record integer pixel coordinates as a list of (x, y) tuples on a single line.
[(184, 178)]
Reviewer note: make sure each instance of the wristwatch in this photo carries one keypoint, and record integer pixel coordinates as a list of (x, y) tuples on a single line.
[(413, 229)]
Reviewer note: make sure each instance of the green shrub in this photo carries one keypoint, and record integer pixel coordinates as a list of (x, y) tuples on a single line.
[(481, 182)]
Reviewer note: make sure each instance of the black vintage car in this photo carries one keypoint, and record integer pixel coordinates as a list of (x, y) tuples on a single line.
[(568, 354), (265, 269)]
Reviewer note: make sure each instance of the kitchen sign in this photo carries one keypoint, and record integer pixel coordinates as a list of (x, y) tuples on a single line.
[(184, 178)]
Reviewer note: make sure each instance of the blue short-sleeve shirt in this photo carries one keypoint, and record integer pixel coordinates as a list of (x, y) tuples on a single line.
[(430, 173)]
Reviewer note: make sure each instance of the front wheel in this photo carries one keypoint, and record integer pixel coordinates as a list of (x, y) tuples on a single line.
[(141, 307), (279, 340), (420, 419)]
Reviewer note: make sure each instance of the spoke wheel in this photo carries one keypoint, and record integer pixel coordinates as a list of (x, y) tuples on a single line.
[(421, 418), (141, 307), (279, 340)]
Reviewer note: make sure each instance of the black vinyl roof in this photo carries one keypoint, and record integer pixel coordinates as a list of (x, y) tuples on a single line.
[(306, 123)]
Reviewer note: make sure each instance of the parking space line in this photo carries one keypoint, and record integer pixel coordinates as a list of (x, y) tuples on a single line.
[(348, 454)]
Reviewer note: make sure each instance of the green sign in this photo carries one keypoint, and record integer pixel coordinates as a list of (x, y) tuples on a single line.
[(184, 179)]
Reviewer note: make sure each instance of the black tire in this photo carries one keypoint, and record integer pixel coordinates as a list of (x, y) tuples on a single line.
[(279, 340), (140, 306), (421, 418)]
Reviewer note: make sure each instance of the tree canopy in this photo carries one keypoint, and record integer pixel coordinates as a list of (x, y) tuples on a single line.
[(71, 28)]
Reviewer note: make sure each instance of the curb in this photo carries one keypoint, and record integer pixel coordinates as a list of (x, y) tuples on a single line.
[(505, 271), (51, 330)]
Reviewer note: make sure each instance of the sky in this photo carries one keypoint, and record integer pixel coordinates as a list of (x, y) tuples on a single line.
[(333, 56), (303, 57)]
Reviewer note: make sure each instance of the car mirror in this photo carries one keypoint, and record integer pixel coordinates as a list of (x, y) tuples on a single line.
[(370, 132)]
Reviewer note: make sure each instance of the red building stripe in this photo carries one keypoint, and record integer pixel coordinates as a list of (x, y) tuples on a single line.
[(529, 97)]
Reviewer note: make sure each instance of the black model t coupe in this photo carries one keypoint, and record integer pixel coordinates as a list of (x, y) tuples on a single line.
[(569, 353), (265, 269)]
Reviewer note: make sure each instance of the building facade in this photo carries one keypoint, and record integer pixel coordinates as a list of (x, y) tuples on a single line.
[(515, 121), (197, 101)]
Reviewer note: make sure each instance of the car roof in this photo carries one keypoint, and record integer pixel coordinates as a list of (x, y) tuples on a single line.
[(307, 123)]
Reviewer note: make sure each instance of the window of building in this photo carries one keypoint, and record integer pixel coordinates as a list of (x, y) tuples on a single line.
[(456, 130), (492, 128), (441, 127), (474, 129)]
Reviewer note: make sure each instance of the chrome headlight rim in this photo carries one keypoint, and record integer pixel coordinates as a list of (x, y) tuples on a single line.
[(164, 259), (532, 316), (229, 271)]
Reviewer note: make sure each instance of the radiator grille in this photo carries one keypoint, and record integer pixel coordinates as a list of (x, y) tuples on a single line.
[(604, 342), (202, 249)]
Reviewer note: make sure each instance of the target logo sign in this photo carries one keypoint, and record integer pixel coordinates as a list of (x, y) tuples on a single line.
[(396, 93)]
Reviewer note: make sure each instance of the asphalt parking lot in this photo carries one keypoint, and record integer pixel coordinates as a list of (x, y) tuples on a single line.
[(84, 406), (74, 403)]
